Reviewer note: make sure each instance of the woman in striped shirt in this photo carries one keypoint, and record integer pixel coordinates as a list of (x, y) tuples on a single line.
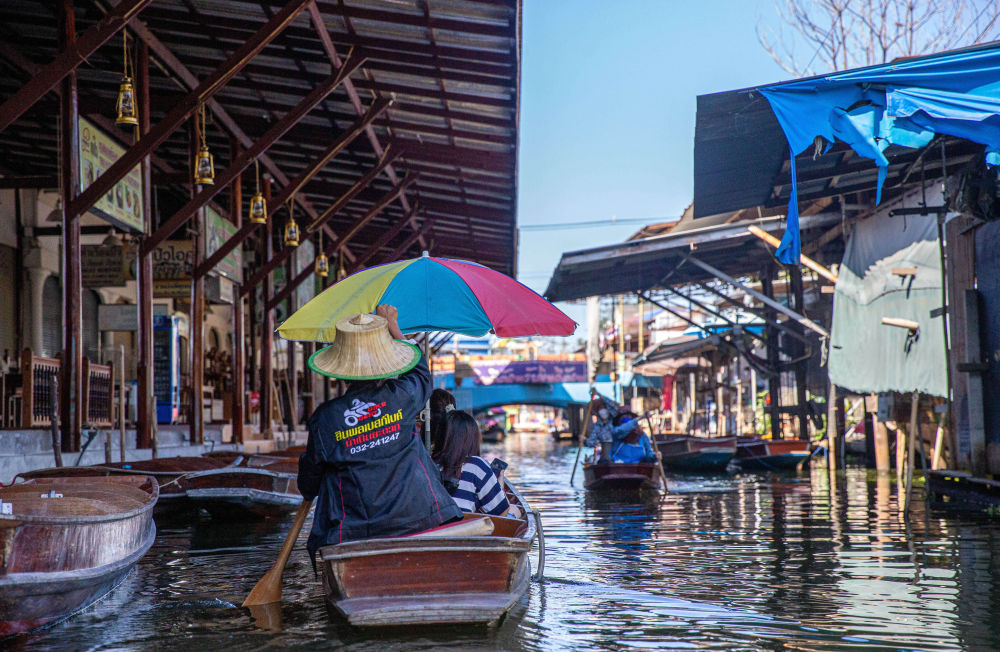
[(468, 477)]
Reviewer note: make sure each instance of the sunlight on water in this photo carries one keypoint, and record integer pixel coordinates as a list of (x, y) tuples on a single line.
[(727, 562)]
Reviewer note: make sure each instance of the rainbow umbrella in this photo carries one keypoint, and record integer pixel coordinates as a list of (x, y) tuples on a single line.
[(431, 294)]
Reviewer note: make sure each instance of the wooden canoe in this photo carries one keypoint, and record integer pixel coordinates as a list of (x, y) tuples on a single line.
[(621, 476), (687, 453), (166, 470), (423, 579), (241, 492), (62, 552), (756, 454)]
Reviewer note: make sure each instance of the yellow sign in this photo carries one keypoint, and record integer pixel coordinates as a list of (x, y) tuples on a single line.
[(122, 206)]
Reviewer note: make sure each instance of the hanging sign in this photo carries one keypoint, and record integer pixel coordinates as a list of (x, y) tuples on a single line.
[(101, 266), (122, 205), (217, 231)]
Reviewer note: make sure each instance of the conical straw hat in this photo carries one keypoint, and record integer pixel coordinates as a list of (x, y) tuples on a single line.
[(364, 350)]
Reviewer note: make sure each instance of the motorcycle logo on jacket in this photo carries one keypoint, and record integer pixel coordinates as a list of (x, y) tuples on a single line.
[(360, 411)]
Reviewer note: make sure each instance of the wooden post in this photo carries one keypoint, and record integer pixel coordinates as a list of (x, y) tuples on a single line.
[(973, 356), (27, 393), (960, 255), (291, 367), (801, 367), (145, 396), (720, 380), (196, 350), (239, 338), (911, 447), (831, 429), (121, 402), (880, 436), (267, 323), (773, 380), (69, 151), (739, 399), (54, 415), (900, 456)]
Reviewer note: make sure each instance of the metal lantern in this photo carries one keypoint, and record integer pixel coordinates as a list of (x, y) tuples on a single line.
[(204, 167), (127, 113), (292, 233), (322, 265), (258, 209), (125, 106)]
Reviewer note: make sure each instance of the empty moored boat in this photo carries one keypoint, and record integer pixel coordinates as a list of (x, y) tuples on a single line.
[(245, 491), (471, 572), (66, 542), (688, 453), (621, 476), (756, 454)]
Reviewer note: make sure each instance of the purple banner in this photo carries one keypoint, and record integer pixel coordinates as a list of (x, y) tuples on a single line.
[(497, 372)]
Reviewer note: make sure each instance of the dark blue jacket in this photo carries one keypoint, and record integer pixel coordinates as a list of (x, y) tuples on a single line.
[(367, 467)]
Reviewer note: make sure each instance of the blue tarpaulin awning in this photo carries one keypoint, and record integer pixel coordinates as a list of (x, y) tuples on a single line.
[(904, 103)]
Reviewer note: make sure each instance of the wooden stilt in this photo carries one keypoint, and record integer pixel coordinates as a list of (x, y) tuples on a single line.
[(145, 396), (911, 448)]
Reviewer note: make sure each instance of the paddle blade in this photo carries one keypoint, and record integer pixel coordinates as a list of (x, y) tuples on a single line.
[(268, 589)]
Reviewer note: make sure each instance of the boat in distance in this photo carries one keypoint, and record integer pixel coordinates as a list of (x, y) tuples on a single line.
[(469, 572), (689, 453), (757, 454), (621, 476), (66, 542)]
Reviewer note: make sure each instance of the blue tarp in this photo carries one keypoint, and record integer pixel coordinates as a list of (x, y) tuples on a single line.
[(905, 103)]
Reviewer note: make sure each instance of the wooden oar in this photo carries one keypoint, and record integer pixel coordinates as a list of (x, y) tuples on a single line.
[(268, 589), (583, 431), (656, 452)]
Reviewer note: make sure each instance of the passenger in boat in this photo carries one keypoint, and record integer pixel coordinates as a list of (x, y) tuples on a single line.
[(442, 402), (471, 480), (364, 461), (633, 445), (604, 410)]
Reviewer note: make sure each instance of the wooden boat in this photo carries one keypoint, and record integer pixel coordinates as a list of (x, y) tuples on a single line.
[(466, 573), (67, 542), (166, 470), (756, 454), (239, 492), (621, 476), (687, 453)]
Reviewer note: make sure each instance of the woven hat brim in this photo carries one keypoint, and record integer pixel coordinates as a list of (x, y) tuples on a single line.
[(392, 373)]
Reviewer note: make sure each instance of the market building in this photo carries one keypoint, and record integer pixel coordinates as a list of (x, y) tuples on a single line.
[(178, 177)]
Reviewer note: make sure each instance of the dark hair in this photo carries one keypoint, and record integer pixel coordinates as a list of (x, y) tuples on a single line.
[(440, 400), (462, 440)]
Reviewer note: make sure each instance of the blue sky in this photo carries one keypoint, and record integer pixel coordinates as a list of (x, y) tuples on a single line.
[(608, 94)]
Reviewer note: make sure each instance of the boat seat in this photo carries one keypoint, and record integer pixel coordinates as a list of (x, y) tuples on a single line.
[(475, 527)]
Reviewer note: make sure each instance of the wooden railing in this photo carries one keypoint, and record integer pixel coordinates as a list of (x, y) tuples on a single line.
[(36, 390), (98, 394)]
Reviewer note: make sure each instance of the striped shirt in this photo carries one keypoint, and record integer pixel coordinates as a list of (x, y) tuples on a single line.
[(478, 489)]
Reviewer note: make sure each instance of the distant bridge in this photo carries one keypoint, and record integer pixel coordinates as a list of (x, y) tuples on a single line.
[(478, 398)]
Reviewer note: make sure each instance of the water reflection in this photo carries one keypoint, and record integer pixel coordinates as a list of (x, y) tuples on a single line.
[(739, 561)]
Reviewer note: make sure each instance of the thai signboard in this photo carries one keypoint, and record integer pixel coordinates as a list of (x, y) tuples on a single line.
[(217, 231), (122, 205), (500, 371), (101, 266), (172, 265)]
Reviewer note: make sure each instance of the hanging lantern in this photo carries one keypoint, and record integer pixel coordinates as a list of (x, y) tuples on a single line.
[(258, 209), (125, 105), (204, 165), (322, 265), (341, 272), (258, 205), (291, 229)]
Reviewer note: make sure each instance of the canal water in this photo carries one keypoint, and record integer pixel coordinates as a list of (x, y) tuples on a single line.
[(741, 561)]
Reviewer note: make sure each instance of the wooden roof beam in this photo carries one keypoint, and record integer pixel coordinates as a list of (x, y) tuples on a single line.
[(68, 60), (247, 157), (390, 154), (185, 108), (324, 36), (380, 206), (383, 240), (181, 72), (417, 235)]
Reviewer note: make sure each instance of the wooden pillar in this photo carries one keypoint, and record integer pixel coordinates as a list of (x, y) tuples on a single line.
[(309, 382), (291, 371), (146, 407), (960, 256), (267, 323), (71, 397), (801, 367), (720, 388), (832, 432), (239, 378), (196, 349), (773, 380), (252, 328)]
